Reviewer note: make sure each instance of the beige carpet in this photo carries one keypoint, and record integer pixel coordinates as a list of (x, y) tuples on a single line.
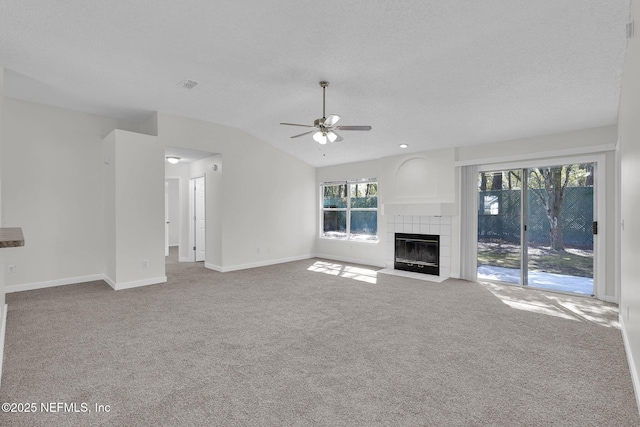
[(314, 343)]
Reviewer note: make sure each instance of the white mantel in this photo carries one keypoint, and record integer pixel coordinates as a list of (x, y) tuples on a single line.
[(420, 209)]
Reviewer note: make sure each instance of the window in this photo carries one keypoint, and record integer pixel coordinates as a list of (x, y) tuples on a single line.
[(491, 205), (350, 210)]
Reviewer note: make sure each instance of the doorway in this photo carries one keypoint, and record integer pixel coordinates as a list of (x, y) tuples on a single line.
[(536, 226), (197, 222)]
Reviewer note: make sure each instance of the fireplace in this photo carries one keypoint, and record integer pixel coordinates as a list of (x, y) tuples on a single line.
[(419, 253)]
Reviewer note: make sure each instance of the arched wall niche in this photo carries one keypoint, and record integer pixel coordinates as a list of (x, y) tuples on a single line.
[(416, 178)]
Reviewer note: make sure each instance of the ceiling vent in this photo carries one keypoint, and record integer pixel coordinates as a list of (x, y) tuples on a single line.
[(188, 84)]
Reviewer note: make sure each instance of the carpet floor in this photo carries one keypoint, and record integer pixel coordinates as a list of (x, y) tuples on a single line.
[(312, 343)]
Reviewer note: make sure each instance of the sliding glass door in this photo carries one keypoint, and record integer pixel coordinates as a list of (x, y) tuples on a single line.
[(552, 248), (499, 225)]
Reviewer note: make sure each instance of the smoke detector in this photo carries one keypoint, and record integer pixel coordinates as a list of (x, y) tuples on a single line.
[(188, 84)]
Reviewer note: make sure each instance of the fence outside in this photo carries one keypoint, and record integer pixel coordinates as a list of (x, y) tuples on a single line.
[(503, 220)]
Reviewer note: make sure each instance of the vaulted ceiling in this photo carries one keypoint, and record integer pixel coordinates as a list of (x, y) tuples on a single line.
[(431, 74)]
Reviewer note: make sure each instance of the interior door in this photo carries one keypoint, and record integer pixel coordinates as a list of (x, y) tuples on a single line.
[(166, 218)]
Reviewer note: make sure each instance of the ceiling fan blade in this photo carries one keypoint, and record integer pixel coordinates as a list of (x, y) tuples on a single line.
[(295, 124), (339, 138), (331, 120), (302, 134), (353, 127), (332, 136)]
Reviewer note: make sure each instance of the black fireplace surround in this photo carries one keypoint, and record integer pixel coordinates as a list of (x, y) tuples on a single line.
[(419, 253)]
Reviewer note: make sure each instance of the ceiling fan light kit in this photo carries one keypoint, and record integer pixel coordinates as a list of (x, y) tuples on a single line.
[(324, 128), (320, 138)]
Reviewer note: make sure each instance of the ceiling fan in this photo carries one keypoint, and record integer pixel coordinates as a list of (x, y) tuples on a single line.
[(325, 127)]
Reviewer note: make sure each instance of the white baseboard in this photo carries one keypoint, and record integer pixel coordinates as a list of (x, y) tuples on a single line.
[(221, 269), (52, 283), (84, 279), (109, 281), (213, 267), (135, 283), (3, 330), (256, 264), (632, 366), (611, 299), (349, 260)]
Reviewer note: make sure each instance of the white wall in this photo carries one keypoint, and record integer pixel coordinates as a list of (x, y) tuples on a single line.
[(174, 211), (267, 212), (629, 152), (148, 127), (109, 204), (416, 178), (56, 186), (52, 188), (539, 147), (367, 253), (138, 161), (2, 264), (413, 179)]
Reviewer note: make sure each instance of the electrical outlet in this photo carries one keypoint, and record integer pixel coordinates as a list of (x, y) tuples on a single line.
[(11, 268), (257, 250), (145, 263)]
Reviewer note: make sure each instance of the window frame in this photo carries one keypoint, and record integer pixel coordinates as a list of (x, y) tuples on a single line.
[(348, 209)]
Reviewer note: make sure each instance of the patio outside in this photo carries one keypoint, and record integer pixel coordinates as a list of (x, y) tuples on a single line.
[(571, 271)]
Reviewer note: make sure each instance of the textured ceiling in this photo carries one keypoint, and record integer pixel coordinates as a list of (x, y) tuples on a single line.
[(431, 74)]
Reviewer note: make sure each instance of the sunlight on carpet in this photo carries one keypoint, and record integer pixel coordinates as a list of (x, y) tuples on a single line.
[(346, 271), (567, 307)]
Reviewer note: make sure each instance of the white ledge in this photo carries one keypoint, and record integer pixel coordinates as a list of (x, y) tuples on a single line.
[(428, 209), (412, 275)]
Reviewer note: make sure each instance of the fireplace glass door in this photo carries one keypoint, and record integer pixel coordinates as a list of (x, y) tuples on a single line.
[(417, 252)]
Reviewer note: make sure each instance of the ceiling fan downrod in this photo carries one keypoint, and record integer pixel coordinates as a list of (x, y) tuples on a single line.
[(323, 85)]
